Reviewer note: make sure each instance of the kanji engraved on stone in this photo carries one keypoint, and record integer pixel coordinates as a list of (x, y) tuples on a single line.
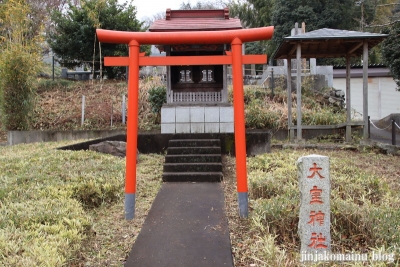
[(315, 170), (316, 195), (317, 218), (317, 241)]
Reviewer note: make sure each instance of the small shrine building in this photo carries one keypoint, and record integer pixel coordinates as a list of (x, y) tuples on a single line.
[(197, 96)]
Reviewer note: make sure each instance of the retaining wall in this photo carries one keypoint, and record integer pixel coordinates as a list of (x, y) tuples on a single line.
[(18, 137)]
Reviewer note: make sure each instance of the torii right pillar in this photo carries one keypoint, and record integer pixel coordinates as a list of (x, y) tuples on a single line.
[(240, 131)]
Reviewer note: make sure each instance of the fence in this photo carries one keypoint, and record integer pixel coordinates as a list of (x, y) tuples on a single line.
[(112, 111), (393, 126)]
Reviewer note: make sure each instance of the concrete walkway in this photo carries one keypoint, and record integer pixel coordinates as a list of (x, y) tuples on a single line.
[(186, 226)]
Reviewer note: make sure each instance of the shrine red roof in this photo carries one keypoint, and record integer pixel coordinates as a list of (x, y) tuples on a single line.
[(196, 20)]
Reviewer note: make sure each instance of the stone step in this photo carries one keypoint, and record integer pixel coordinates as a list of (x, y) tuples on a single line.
[(193, 150), (192, 177), (194, 143), (187, 158), (193, 167)]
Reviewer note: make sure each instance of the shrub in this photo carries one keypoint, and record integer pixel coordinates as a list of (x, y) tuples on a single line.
[(19, 63), (258, 116), (157, 97), (50, 85), (16, 89)]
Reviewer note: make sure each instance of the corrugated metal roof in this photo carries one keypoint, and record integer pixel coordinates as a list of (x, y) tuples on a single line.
[(358, 72), (327, 33), (327, 43), (196, 20)]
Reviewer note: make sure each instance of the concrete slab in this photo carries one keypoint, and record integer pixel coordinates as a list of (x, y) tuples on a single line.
[(167, 128), (168, 115), (226, 127), (186, 226), (182, 114), (210, 127), (226, 114), (197, 114), (197, 127), (183, 127)]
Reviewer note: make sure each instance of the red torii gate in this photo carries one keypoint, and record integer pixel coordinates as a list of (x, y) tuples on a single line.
[(234, 58)]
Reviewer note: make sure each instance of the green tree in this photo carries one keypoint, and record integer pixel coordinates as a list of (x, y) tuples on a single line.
[(20, 61), (73, 38), (391, 52), (252, 13), (337, 14)]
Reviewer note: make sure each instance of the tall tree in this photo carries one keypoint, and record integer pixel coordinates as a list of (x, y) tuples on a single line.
[(391, 52), (252, 13), (73, 37), (19, 63), (316, 14)]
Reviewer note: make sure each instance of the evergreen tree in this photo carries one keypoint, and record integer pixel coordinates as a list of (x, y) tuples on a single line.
[(391, 52), (73, 38)]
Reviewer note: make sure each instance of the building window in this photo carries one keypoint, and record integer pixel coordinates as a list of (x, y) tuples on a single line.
[(185, 76), (208, 75)]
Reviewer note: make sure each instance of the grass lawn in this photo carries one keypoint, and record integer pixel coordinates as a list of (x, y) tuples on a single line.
[(65, 208)]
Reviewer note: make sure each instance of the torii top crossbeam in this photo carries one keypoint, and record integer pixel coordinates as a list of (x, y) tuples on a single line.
[(235, 38)]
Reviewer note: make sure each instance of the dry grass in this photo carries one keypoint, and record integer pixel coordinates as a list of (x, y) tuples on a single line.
[(45, 221), (114, 236), (59, 107), (364, 199)]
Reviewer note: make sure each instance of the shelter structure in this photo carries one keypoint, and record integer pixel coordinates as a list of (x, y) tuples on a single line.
[(328, 43), (197, 95)]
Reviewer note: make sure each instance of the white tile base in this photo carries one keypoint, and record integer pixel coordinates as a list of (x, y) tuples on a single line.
[(197, 119)]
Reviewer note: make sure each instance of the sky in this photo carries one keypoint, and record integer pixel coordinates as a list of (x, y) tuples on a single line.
[(148, 8)]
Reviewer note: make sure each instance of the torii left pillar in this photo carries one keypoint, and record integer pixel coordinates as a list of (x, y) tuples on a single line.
[(235, 58), (132, 130)]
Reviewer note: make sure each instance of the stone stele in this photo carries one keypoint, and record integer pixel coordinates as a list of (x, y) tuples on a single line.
[(315, 190)]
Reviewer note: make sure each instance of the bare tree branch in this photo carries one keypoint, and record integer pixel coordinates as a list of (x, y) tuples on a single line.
[(388, 4), (382, 25)]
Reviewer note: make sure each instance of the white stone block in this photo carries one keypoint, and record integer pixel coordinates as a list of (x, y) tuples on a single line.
[(196, 114), (167, 114), (315, 190), (197, 127), (226, 114), (182, 114), (211, 127), (211, 114), (226, 127), (167, 128), (183, 128)]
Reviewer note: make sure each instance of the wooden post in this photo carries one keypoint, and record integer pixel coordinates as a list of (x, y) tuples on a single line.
[(240, 131), (365, 90), (393, 132), (289, 95), (83, 111), (348, 103), (298, 91)]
